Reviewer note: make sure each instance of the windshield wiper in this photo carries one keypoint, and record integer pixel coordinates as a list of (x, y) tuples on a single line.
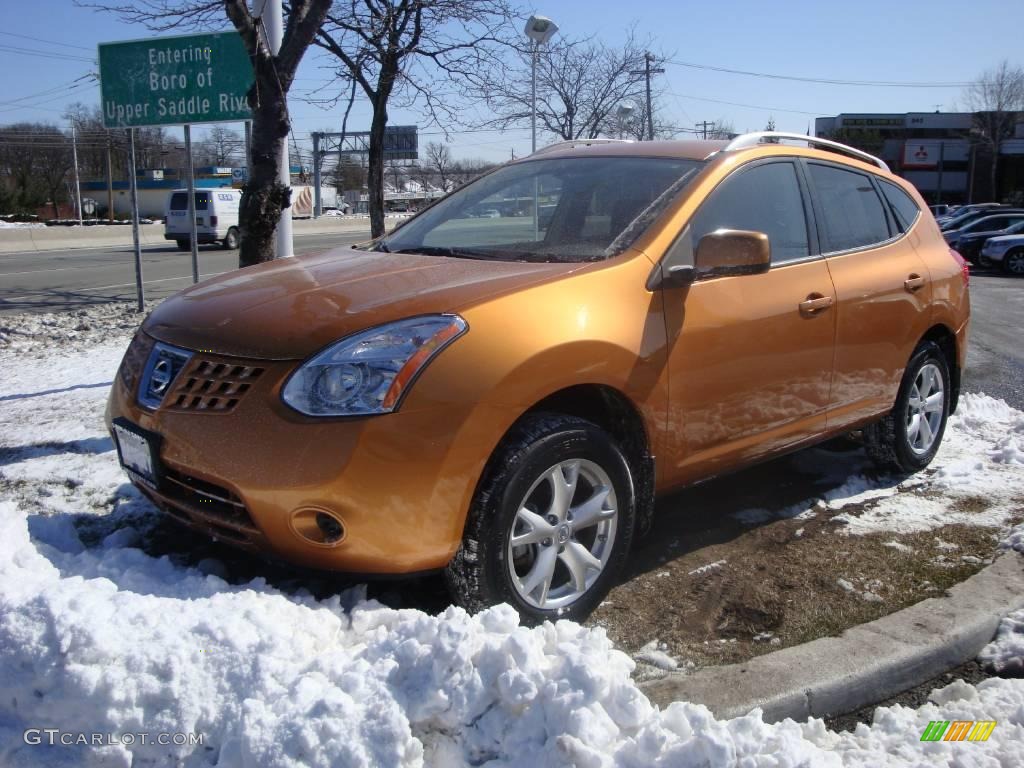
[(436, 250)]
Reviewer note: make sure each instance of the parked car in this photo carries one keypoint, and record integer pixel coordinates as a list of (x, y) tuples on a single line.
[(503, 403), (986, 224), (970, 244), (1006, 251), (216, 217), (966, 215)]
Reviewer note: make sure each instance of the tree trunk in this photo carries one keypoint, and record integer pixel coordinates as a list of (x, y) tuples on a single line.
[(994, 171), (375, 171), (264, 196)]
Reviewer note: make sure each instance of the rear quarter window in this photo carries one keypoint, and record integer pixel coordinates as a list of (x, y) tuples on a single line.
[(904, 208), (851, 211)]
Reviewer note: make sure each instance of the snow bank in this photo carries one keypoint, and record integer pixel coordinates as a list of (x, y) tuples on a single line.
[(97, 636), (21, 225)]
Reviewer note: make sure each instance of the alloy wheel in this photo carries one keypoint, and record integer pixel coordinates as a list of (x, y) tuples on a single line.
[(562, 534), (1015, 263), (925, 408)]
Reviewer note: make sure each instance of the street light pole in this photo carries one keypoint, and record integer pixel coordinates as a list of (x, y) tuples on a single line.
[(273, 19), (539, 29), (533, 100)]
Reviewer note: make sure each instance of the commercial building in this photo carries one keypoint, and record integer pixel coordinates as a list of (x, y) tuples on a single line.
[(940, 153)]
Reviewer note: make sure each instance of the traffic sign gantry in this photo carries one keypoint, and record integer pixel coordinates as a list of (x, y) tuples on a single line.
[(175, 80)]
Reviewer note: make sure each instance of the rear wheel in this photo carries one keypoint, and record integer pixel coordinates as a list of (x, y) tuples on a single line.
[(983, 262), (1013, 262), (551, 524), (183, 245), (231, 239), (907, 439)]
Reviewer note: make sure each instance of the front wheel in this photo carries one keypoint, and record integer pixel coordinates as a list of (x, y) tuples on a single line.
[(908, 438), (1013, 262), (983, 262), (183, 245), (551, 524)]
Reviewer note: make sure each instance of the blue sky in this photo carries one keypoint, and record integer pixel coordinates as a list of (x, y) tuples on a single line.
[(940, 41)]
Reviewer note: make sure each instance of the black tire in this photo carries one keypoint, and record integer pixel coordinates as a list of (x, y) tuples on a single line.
[(480, 573), (888, 441), (231, 239), (183, 245), (982, 262), (1013, 262)]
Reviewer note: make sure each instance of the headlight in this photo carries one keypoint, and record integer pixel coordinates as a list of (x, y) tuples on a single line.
[(370, 372)]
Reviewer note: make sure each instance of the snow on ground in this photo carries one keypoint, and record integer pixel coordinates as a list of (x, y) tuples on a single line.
[(21, 225), (98, 636)]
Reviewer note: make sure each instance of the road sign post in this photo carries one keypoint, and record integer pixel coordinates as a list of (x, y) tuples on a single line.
[(140, 295), (193, 235)]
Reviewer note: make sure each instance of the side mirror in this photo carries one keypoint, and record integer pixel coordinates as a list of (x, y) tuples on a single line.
[(732, 252)]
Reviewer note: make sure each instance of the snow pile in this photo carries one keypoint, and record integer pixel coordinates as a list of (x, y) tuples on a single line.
[(21, 225), (979, 457), (99, 636), (1005, 654)]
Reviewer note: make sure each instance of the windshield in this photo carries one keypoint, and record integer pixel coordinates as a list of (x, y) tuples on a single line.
[(570, 209)]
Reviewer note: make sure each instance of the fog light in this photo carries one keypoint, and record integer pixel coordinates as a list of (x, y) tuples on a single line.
[(318, 526)]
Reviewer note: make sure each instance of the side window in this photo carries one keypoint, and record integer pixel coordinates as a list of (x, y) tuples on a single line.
[(903, 205), (852, 214), (765, 198)]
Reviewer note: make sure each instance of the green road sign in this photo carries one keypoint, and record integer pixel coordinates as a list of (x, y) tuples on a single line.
[(175, 80)]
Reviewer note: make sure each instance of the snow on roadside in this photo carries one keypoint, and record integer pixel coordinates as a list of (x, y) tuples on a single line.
[(98, 636)]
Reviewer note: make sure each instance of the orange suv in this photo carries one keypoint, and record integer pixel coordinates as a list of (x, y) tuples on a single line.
[(502, 397)]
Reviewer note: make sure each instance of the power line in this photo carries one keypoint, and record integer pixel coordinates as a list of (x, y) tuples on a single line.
[(45, 92), (43, 54), (823, 80), (42, 40), (740, 104)]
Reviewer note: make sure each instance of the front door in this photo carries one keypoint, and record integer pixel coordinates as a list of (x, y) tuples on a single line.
[(750, 357)]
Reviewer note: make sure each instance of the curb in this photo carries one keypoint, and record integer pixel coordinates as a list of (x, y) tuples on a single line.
[(864, 665)]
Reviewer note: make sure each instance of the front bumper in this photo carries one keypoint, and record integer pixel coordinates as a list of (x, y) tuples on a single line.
[(401, 483)]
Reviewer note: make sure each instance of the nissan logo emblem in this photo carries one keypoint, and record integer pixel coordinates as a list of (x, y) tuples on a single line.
[(161, 376)]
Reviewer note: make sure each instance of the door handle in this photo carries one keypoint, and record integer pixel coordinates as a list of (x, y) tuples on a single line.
[(814, 304), (914, 283)]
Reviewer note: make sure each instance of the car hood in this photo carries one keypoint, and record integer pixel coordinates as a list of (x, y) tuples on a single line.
[(289, 308)]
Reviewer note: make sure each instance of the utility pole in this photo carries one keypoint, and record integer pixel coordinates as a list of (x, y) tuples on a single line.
[(74, 157), (647, 71), (703, 127), (110, 182)]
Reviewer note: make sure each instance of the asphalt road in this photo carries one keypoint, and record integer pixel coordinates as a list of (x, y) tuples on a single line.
[(54, 281), (72, 279), (995, 351)]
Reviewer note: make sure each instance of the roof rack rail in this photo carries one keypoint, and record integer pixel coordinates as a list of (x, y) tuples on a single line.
[(753, 139), (577, 143)]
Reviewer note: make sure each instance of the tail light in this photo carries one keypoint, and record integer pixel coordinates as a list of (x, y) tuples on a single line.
[(213, 221), (965, 268)]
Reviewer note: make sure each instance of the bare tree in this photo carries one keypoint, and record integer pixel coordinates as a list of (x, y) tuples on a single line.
[(222, 146), (421, 51), (580, 85), (438, 163), (265, 197), (996, 98)]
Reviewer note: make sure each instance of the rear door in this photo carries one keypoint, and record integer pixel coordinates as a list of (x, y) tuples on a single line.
[(883, 289), (750, 357)]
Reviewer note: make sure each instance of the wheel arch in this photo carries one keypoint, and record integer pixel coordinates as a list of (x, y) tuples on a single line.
[(945, 339), (613, 411)]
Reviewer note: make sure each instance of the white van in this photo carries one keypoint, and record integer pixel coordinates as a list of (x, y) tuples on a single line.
[(216, 217)]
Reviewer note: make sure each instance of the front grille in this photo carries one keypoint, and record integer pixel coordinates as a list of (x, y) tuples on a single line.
[(210, 385), (211, 503)]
